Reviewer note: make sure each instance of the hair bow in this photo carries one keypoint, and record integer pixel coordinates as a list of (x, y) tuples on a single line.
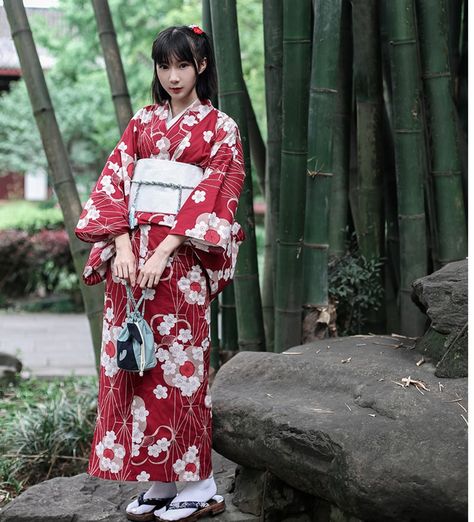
[(196, 28)]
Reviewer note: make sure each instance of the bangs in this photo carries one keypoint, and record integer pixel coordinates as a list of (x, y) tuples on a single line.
[(172, 45)]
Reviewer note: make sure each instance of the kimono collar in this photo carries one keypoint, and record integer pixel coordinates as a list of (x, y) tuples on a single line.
[(195, 106)]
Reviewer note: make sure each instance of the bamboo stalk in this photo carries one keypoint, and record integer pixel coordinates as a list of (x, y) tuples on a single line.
[(216, 308), (289, 281), (445, 168), (392, 265), (207, 26), (410, 156), (113, 63), (58, 161), (257, 145), (322, 111), (232, 102), (273, 42), (339, 207), (366, 188)]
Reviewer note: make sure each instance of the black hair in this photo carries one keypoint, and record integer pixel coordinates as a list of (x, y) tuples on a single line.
[(183, 44)]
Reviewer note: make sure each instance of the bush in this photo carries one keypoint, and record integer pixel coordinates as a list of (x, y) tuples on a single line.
[(36, 262), (355, 285), (30, 216), (46, 431)]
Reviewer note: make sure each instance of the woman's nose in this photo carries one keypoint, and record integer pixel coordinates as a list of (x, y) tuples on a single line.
[(174, 76)]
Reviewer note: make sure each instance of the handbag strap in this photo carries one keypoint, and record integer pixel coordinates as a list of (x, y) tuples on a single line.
[(135, 304)]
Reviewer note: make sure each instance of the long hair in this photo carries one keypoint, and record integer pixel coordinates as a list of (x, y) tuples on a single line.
[(183, 44)]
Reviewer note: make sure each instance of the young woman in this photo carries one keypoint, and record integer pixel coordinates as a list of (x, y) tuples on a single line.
[(173, 237)]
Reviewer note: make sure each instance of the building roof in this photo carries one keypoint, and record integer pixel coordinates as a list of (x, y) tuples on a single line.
[(9, 62)]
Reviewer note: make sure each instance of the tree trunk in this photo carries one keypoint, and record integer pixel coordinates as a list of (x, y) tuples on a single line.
[(410, 156), (113, 63), (444, 145), (232, 101), (297, 30), (58, 161), (321, 127), (273, 41)]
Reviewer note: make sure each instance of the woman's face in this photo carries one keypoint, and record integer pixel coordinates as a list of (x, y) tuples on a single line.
[(178, 79)]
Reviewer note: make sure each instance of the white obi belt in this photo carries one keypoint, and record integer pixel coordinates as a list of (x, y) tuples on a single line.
[(161, 186)]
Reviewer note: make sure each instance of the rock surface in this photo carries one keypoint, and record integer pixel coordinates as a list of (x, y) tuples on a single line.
[(88, 499), (443, 296), (10, 366), (346, 432)]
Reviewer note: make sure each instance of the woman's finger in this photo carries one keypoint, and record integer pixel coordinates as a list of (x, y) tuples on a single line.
[(132, 276)]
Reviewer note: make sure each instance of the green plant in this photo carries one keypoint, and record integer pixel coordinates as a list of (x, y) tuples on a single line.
[(30, 216), (354, 284), (45, 430)]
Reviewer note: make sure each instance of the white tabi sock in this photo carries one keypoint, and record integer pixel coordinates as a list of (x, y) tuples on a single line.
[(200, 490), (158, 490)]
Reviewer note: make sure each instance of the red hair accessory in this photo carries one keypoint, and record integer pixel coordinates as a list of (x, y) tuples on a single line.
[(196, 29)]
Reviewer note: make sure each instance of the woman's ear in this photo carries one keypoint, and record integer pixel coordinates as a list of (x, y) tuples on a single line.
[(202, 65)]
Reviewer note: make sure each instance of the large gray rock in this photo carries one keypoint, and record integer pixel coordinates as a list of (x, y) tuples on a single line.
[(443, 296), (346, 432)]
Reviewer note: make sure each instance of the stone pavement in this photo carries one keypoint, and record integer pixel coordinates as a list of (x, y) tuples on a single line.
[(48, 344)]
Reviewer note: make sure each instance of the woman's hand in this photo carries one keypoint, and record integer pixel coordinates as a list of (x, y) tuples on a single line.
[(150, 273), (125, 264)]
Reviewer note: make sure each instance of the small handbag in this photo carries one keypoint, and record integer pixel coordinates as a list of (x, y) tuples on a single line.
[(135, 343)]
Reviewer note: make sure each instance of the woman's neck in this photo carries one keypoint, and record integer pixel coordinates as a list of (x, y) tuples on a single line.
[(178, 108)]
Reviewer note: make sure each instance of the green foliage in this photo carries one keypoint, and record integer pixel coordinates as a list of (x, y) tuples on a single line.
[(45, 430), (36, 263), (354, 285), (30, 216), (78, 82)]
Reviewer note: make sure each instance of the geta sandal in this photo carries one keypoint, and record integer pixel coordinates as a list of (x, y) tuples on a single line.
[(157, 503), (212, 507)]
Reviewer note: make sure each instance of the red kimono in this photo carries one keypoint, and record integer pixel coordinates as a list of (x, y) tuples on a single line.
[(159, 426)]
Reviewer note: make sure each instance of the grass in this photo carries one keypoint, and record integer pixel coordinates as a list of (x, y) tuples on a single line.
[(45, 430)]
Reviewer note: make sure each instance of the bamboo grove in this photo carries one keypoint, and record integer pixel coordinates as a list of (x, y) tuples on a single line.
[(366, 130), (366, 106)]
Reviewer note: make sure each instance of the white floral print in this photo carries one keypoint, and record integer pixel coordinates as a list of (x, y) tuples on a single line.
[(143, 477), (199, 196), (188, 466), (110, 453), (161, 392)]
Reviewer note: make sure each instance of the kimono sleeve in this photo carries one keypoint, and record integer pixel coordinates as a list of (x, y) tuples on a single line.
[(207, 215), (105, 214)]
